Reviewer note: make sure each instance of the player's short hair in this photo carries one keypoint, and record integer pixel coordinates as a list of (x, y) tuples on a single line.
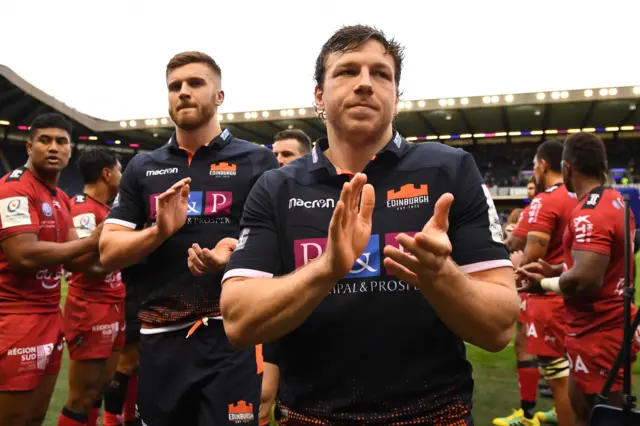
[(587, 154), (351, 37), (50, 120), (193, 57), (532, 180), (551, 152), (92, 161), (303, 139)]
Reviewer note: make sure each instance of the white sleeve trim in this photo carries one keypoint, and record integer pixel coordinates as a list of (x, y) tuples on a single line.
[(245, 273), (121, 223), (486, 265)]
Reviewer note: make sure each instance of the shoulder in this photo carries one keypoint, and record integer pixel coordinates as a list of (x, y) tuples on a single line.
[(17, 181), (432, 153), (144, 158), (253, 150)]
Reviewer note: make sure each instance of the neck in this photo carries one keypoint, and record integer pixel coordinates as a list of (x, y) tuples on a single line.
[(97, 192), (584, 185), (191, 140), (552, 179), (49, 178), (353, 153)]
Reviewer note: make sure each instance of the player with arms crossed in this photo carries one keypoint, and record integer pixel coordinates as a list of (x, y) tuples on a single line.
[(308, 273), (187, 194), (593, 278), (527, 364), (37, 238), (94, 310)]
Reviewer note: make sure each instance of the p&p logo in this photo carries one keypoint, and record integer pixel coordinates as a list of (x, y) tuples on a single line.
[(367, 265)]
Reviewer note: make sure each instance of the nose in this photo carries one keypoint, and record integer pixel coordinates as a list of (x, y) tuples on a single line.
[(184, 91), (54, 147), (364, 82)]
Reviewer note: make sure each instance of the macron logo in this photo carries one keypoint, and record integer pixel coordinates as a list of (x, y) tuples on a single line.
[(161, 172), (322, 204)]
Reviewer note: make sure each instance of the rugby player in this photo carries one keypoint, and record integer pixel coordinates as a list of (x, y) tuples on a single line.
[(289, 145), (121, 396), (527, 364), (549, 215), (36, 239), (94, 310), (188, 193), (593, 278), (355, 336)]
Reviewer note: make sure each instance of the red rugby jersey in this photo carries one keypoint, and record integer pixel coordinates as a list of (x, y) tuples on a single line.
[(28, 205), (597, 225), (87, 213)]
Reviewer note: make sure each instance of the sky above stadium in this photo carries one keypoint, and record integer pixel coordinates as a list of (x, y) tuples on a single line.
[(107, 58)]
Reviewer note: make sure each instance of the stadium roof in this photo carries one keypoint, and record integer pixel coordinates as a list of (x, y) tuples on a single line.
[(499, 118)]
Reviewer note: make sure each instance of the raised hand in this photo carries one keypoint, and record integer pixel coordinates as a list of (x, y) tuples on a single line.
[(172, 207), (202, 261), (422, 257), (350, 227)]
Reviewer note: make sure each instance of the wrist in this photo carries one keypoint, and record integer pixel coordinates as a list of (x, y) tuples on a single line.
[(323, 269), (448, 273), (551, 284)]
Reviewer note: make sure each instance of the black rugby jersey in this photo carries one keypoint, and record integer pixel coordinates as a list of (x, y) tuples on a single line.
[(222, 174), (374, 351)]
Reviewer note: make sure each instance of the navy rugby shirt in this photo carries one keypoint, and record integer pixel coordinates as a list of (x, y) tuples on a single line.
[(374, 351), (222, 174)]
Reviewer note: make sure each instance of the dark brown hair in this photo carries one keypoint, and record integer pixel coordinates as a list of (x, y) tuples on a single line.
[(303, 139), (186, 58), (349, 38)]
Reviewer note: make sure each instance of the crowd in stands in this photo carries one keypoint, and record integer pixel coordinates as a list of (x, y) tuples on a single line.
[(503, 165)]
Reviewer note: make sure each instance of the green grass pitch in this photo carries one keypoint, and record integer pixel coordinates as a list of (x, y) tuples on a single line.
[(496, 387)]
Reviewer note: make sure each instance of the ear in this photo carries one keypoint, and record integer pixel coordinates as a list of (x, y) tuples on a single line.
[(220, 97), (319, 97), (29, 146)]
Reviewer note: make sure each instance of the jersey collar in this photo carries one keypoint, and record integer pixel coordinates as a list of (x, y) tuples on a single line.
[(396, 147), (219, 141)]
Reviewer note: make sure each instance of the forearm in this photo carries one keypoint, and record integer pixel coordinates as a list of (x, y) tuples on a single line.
[(262, 309), (44, 254), (82, 263), (570, 284), (481, 313), (514, 243), (119, 249)]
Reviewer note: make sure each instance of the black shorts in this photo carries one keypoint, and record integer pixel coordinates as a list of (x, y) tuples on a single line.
[(131, 307), (198, 381)]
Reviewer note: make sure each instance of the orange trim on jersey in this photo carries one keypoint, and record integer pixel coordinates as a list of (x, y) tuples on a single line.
[(340, 171), (189, 154), (259, 359)]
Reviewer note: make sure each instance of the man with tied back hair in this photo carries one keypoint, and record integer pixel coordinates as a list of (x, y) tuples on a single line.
[(368, 307)]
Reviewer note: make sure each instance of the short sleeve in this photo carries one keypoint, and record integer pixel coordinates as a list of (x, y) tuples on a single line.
[(128, 209), (475, 230), (257, 254), (544, 214), (18, 212), (592, 232), (522, 228), (84, 221)]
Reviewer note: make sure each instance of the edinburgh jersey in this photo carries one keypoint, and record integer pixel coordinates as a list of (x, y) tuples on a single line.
[(28, 205), (374, 351), (597, 225), (87, 213), (222, 174)]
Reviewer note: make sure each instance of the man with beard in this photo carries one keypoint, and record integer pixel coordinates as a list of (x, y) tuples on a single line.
[(188, 193)]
